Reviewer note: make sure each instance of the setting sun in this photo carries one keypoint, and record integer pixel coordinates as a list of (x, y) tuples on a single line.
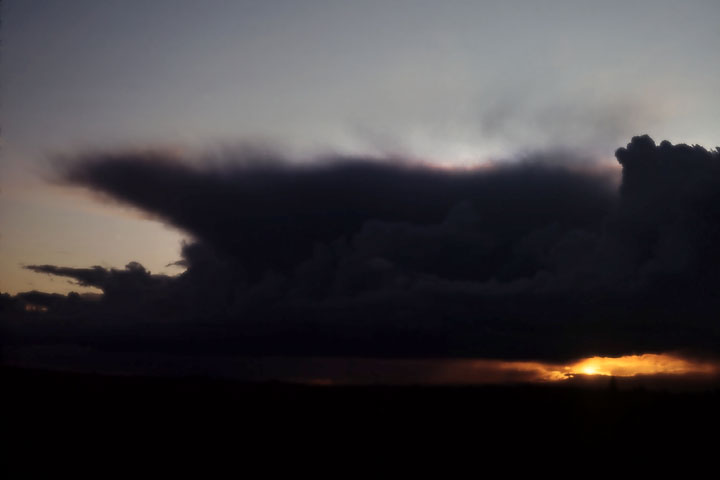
[(487, 370), (625, 366), (647, 364)]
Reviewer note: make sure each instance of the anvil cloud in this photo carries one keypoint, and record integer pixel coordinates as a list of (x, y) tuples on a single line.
[(364, 258)]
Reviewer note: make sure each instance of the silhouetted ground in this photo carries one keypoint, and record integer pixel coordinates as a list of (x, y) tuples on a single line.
[(57, 422)]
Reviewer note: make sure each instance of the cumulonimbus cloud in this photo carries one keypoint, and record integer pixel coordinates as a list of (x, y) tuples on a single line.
[(362, 258)]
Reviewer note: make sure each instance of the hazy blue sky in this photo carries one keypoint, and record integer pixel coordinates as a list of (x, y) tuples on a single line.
[(446, 81)]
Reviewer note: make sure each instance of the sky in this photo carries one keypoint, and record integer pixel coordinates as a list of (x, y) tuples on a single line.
[(316, 158), (454, 83)]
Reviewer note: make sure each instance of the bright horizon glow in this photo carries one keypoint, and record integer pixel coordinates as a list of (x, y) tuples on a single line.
[(379, 371), (647, 364), (625, 366)]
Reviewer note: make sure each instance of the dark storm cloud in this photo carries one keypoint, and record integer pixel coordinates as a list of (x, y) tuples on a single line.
[(359, 258), (269, 217), (133, 282)]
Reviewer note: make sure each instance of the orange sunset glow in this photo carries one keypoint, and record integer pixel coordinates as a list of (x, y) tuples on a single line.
[(625, 366), (484, 371)]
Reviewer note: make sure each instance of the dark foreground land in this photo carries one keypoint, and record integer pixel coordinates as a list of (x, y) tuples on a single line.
[(55, 421)]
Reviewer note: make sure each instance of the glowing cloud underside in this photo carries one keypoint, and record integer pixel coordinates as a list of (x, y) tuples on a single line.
[(626, 366), (491, 371)]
